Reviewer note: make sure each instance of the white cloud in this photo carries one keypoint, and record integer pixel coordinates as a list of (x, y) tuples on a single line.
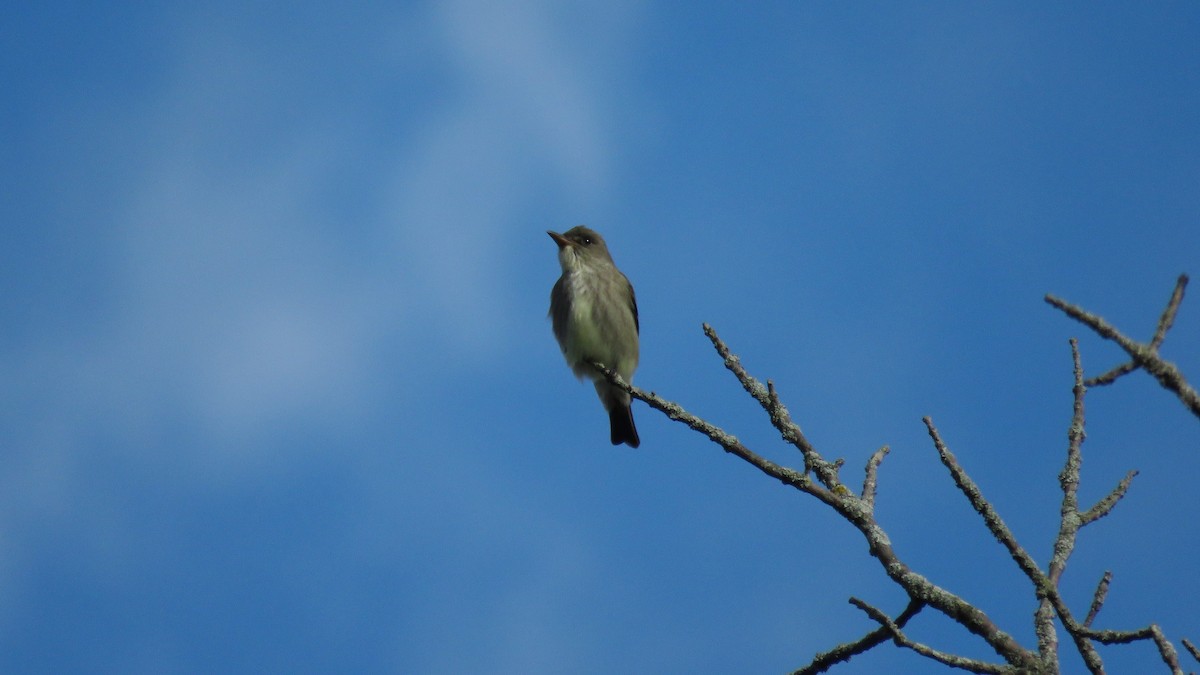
[(239, 313), (520, 124)]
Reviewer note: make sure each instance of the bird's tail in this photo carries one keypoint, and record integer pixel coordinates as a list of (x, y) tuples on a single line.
[(620, 422)]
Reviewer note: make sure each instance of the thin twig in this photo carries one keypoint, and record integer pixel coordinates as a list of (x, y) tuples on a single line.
[(1105, 505), (781, 419), (991, 518), (1166, 650), (844, 652), (1112, 375), (1145, 356), (1152, 632), (871, 477), (1069, 477), (1168, 316), (1042, 584), (1191, 648), (1069, 521), (901, 639), (1098, 598), (729, 442)]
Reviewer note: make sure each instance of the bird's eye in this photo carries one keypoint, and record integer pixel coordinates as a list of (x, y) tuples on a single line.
[(587, 241)]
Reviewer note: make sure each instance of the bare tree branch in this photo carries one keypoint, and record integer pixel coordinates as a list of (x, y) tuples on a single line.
[(717, 435), (1168, 316), (859, 511), (1044, 587), (1164, 324), (1113, 375), (1191, 648), (1105, 505), (901, 639), (1069, 521), (1143, 356), (1068, 478), (871, 477), (991, 518), (844, 652), (1152, 632), (852, 508), (1166, 650), (1098, 598), (780, 417)]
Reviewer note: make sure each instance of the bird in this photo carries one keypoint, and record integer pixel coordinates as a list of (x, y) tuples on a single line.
[(594, 314)]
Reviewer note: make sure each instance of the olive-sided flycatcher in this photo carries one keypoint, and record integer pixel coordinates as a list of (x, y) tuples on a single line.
[(595, 319)]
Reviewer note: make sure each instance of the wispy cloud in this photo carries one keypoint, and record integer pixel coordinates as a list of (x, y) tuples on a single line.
[(239, 310), (518, 123)]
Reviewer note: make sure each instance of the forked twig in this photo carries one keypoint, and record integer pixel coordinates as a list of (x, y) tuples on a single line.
[(1142, 355)]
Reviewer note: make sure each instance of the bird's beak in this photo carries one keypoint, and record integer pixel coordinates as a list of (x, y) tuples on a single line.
[(562, 241)]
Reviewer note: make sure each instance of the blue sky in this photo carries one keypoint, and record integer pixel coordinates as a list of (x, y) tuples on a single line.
[(279, 392)]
